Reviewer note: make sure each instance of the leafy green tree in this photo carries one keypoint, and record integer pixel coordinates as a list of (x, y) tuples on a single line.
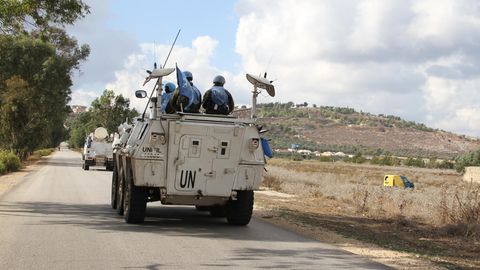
[(82, 125), (35, 88), (111, 110), (471, 158), (108, 111), (17, 128), (20, 16), (37, 59)]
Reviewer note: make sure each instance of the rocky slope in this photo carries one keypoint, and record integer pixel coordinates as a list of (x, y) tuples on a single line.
[(344, 129)]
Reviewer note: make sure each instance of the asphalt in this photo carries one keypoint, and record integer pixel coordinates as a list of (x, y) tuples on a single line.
[(59, 217)]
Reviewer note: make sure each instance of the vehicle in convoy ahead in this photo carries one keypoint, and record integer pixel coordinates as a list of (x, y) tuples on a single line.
[(97, 150), (213, 162)]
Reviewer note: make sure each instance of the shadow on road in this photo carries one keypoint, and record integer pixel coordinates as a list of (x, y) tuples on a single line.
[(60, 163), (187, 221)]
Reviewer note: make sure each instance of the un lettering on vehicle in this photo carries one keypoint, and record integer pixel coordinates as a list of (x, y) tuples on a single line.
[(186, 179), (151, 152)]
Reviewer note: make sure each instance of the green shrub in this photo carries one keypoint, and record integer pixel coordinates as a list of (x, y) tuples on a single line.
[(10, 160), (3, 168), (471, 158), (326, 159), (415, 162), (43, 152)]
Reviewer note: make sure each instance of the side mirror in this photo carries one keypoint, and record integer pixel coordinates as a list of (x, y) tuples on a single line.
[(141, 93)]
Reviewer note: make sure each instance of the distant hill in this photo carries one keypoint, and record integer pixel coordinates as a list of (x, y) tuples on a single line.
[(327, 128)]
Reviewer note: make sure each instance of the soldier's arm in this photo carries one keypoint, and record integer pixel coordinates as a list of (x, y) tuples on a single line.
[(231, 104), (206, 99), (170, 106)]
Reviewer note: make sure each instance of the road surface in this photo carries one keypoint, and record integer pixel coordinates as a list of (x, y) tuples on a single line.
[(59, 217)]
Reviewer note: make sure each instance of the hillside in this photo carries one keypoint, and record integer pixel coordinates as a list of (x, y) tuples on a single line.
[(328, 128)]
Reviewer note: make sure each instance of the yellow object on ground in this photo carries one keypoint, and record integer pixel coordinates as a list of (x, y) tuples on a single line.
[(392, 180)]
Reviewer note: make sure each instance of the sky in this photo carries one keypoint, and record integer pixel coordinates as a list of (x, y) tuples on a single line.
[(417, 59)]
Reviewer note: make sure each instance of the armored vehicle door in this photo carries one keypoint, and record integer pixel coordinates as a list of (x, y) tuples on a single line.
[(205, 158), (194, 163)]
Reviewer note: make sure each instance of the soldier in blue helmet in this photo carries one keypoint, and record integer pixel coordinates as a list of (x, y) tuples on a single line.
[(197, 96), (217, 100), (167, 95), (186, 98)]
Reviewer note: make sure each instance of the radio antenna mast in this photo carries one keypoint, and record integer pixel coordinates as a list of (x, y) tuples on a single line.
[(166, 60)]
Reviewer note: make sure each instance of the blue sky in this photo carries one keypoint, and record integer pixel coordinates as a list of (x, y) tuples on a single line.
[(417, 59), (159, 21)]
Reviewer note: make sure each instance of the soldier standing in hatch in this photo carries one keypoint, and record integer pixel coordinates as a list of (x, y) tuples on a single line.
[(167, 95), (197, 101), (189, 103), (217, 100)]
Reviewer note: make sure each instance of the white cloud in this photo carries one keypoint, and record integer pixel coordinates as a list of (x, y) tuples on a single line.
[(83, 97), (195, 59), (109, 48), (418, 59)]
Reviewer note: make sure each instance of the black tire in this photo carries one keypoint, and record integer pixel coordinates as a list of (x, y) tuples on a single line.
[(218, 211), (113, 197), (120, 193), (135, 202), (239, 212), (202, 207)]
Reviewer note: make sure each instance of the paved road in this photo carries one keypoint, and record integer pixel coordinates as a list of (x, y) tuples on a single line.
[(59, 217)]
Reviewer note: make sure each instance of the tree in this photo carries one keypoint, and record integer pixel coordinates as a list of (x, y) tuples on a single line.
[(471, 158), (37, 59), (15, 124), (20, 16), (34, 77), (108, 111)]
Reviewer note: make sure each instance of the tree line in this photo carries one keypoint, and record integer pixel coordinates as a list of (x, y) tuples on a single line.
[(108, 111), (37, 61)]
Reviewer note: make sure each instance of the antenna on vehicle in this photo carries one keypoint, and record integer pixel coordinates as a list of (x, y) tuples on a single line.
[(158, 74), (259, 82), (154, 55)]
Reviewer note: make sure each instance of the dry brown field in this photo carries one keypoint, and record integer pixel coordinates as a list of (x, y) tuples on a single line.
[(438, 221)]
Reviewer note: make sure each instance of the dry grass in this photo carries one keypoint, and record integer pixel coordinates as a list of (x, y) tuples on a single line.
[(438, 221), (440, 199)]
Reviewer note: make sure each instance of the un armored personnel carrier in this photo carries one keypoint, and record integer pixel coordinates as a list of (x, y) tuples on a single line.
[(97, 150), (213, 162)]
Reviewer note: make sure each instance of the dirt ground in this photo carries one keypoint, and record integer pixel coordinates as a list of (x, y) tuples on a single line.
[(9, 180), (342, 204)]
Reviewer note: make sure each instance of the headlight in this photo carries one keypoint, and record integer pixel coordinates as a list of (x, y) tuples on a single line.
[(254, 143)]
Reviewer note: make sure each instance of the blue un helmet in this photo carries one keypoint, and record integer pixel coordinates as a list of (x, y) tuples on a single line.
[(188, 75), (170, 87), (219, 80)]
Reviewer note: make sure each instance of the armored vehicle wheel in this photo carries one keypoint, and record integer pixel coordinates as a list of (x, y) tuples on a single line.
[(120, 192), (239, 212), (135, 201), (202, 207), (218, 211), (113, 197), (85, 167)]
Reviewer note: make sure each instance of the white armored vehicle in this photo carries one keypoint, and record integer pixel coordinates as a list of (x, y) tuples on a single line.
[(213, 162), (97, 150)]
